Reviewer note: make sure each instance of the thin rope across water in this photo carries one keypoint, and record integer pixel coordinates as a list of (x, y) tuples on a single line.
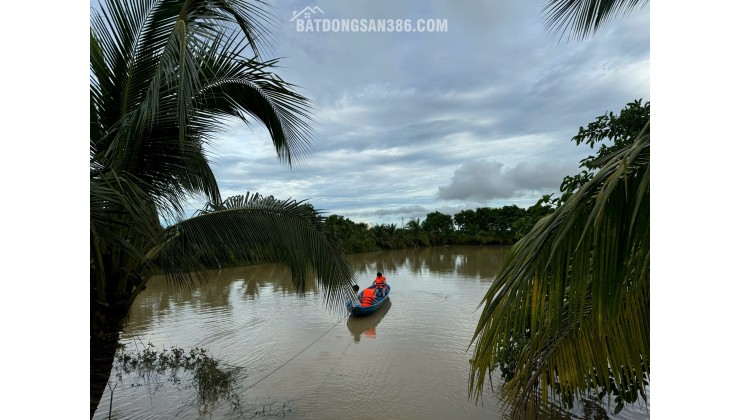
[(301, 352)]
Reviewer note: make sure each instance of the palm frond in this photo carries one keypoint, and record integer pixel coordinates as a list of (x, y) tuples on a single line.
[(575, 291), (165, 67), (248, 89), (581, 18), (255, 229), (117, 204)]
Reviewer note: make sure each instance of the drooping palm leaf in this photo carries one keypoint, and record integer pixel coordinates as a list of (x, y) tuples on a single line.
[(115, 204), (255, 229), (581, 18), (240, 88), (574, 293)]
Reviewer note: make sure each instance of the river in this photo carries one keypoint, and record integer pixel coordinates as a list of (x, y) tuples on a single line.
[(301, 359)]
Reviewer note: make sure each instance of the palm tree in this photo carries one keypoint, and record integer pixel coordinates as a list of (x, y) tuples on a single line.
[(165, 78), (569, 314), (416, 234)]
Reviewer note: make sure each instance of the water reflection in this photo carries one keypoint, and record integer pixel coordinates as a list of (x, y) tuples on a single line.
[(365, 325), (214, 292), (463, 261)]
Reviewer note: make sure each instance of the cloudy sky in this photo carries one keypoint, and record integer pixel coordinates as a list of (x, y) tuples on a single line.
[(408, 123)]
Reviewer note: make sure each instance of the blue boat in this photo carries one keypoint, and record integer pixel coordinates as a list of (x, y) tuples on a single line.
[(358, 310)]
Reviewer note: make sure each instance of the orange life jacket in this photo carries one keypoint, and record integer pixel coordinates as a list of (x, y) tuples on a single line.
[(368, 297), (380, 281)]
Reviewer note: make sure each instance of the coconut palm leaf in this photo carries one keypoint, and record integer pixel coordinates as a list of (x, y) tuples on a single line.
[(116, 204), (581, 18), (253, 229), (573, 295), (241, 88), (157, 67), (123, 224)]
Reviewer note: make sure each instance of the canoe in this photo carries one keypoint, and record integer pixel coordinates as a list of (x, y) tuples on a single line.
[(354, 307)]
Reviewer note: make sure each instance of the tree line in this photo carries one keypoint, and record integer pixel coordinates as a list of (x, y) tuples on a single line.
[(482, 226)]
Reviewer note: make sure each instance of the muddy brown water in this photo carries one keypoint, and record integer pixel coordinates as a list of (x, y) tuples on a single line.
[(301, 359)]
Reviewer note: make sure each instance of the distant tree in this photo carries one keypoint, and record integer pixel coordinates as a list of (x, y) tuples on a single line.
[(363, 238), (439, 227), (344, 229), (487, 219), (467, 222), (396, 236), (416, 234), (355, 237), (504, 220), (381, 236)]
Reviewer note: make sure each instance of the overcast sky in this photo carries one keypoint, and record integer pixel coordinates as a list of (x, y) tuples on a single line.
[(408, 123)]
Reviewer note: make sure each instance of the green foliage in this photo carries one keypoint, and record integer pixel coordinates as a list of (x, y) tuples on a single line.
[(388, 236), (415, 234), (542, 208), (501, 222), (487, 225), (569, 313), (483, 226), (439, 227), (621, 130), (355, 237), (467, 222)]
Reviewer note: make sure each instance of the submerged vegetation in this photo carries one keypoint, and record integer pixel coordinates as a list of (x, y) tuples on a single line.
[(211, 378), (215, 382)]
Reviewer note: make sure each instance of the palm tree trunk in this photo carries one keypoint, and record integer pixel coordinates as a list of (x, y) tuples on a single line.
[(103, 343)]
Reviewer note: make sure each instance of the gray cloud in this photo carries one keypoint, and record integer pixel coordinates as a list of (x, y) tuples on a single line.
[(483, 181)]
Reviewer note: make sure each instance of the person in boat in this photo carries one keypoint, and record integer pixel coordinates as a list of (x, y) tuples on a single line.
[(380, 284), (361, 296), (368, 296)]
